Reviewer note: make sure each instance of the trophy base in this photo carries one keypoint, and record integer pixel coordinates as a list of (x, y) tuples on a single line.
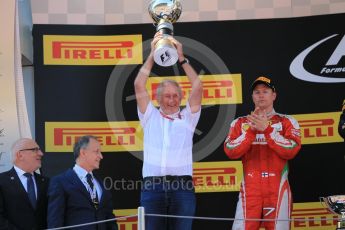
[(165, 53)]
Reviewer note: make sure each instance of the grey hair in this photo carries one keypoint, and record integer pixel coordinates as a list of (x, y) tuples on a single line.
[(163, 83), (82, 143), (17, 146)]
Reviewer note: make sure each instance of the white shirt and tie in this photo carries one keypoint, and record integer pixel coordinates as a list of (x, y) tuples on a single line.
[(29, 183), (24, 180), (82, 173)]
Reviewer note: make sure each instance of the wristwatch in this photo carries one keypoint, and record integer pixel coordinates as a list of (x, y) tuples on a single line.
[(184, 61)]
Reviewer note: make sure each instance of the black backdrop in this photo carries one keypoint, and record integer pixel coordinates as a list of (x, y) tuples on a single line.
[(75, 93)]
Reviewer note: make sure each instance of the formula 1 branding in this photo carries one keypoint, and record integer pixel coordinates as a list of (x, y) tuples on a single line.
[(223, 176), (327, 54), (312, 216), (319, 127), (92, 50), (217, 89), (127, 223), (113, 136)]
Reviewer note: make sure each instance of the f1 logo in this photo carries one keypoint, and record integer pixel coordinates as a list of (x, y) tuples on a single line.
[(338, 53), (165, 56)]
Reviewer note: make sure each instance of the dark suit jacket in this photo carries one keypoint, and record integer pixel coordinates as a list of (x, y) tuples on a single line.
[(69, 203), (16, 211)]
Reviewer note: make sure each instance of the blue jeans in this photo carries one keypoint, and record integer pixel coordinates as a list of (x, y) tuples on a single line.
[(172, 196)]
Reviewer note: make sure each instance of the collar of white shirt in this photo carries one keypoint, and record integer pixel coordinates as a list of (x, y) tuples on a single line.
[(20, 172), (173, 116), (81, 172)]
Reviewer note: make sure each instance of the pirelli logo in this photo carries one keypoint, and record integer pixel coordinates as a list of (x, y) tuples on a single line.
[(319, 127), (217, 89), (113, 136), (224, 176), (128, 223), (309, 215), (92, 50), (312, 216)]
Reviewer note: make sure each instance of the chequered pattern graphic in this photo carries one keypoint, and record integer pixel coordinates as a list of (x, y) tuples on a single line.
[(100, 12)]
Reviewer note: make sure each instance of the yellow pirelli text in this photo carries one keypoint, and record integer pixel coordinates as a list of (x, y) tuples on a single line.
[(319, 127), (127, 222), (223, 176), (217, 88), (92, 50), (312, 215), (113, 136)]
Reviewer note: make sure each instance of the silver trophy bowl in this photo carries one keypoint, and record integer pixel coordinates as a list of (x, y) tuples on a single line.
[(164, 13), (336, 205)]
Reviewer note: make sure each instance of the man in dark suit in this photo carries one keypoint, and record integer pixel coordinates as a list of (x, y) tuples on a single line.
[(23, 193), (77, 196)]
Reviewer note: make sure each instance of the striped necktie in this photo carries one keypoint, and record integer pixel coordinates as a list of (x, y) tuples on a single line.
[(31, 189), (95, 197)]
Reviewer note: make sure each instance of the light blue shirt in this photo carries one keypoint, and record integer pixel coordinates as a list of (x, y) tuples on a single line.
[(81, 173), (24, 179)]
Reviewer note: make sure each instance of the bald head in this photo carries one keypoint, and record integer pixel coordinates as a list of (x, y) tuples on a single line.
[(21, 144), (26, 154)]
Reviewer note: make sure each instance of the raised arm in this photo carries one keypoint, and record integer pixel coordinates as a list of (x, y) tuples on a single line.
[(141, 93), (196, 92)]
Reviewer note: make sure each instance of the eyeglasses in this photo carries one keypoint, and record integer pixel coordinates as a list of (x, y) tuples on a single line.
[(35, 150)]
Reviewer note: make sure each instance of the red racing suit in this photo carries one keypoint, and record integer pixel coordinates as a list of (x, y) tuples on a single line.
[(265, 191)]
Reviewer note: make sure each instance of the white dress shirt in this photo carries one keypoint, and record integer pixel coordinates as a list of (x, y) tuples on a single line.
[(24, 179), (81, 173), (168, 142)]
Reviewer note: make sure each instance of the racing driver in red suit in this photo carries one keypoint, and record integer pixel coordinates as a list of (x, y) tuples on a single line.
[(265, 141)]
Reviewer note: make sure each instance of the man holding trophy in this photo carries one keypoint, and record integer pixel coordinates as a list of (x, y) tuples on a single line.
[(168, 135)]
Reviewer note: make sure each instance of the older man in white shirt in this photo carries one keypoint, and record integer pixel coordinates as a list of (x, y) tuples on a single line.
[(168, 141)]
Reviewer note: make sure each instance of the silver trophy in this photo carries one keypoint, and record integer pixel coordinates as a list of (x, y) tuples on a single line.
[(164, 13), (336, 205)]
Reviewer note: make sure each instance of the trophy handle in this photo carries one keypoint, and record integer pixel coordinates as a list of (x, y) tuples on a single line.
[(322, 200), (165, 26), (328, 206)]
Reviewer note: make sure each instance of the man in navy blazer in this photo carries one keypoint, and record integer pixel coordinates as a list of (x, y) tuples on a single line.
[(77, 196), (17, 210)]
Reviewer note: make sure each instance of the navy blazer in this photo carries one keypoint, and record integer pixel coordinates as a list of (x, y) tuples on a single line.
[(69, 203), (16, 211)]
